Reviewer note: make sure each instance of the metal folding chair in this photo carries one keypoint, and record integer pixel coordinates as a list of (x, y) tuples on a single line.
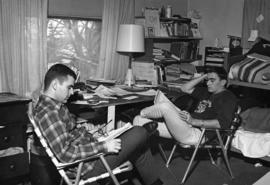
[(62, 168), (222, 142)]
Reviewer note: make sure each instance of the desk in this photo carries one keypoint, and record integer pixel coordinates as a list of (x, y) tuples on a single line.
[(112, 103), (13, 124)]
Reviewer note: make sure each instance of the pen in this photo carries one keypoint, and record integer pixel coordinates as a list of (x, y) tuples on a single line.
[(99, 130)]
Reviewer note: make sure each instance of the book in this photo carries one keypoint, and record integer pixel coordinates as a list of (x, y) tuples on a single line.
[(215, 59), (97, 82), (115, 133)]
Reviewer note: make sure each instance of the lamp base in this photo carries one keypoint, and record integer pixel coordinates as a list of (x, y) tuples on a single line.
[(129, 81)]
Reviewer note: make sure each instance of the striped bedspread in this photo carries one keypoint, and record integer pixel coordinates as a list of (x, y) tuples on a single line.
[(251, 70)]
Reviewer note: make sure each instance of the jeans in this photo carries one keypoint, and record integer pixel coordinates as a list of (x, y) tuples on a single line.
[(135, 149)]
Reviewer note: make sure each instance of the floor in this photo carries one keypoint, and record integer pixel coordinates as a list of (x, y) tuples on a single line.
[(246, 171)]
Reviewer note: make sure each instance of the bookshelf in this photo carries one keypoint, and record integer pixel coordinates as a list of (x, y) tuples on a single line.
[(216, 57), (173, 33)]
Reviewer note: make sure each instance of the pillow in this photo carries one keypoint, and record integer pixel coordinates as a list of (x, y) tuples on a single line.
[(261, 47), (256, 120)]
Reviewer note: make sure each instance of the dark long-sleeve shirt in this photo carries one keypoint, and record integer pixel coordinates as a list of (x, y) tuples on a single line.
[(220, 106)]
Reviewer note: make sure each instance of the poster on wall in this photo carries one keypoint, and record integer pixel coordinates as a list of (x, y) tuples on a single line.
[(195, 24), (152, 22)]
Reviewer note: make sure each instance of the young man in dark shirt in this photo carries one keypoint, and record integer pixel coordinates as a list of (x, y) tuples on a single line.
[(70, 143), (215, 109)]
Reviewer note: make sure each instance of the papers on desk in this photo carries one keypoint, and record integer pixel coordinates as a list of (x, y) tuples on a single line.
[(120, 92), (105, 92), (87, 96), (145, 86), (150, 92), (96, 82), (102, 94), (81, 102), (130, 97), (102, 91)]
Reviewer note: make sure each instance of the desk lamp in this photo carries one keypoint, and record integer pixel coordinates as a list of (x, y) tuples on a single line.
[(130, 41)]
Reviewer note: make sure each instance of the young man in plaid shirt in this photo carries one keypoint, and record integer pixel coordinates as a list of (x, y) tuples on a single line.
[(70, 143)]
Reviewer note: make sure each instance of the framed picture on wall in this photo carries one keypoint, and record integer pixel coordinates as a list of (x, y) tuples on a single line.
[(235, 45)]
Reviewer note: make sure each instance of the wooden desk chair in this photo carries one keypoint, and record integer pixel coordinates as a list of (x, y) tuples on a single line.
[(62, 168), (222, 142)]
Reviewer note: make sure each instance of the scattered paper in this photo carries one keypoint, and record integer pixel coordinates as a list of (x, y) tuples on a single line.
[(87, 96), (130, 97), (253, 35), (260, 18), (105, 92), (81, 102), (119, 91), (145, 86), (145, 71), (150, 92)]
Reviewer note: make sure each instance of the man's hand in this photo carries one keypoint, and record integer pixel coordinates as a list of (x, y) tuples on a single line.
[(113, 145), (186, 116)]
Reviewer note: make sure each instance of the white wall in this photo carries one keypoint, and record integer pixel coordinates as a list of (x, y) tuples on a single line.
[(178, 6), (93, 8), (76, 8), (219, 19)]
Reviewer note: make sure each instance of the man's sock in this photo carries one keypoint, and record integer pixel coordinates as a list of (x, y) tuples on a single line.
[(151, 128)]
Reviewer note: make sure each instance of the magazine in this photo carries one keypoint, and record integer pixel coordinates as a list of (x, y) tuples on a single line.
[(115, 133)]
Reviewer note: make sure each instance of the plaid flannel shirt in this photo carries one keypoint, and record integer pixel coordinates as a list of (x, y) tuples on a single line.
[(67, 142)]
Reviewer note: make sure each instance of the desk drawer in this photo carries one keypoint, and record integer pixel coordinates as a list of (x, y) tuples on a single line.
[(12, 135), (13, 113), (13, 166)]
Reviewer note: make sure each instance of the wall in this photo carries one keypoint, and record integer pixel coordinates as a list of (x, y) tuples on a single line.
[(93, 8), (76, 8), (219, 19), (178, 6)]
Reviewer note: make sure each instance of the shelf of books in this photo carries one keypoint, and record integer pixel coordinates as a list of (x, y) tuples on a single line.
[(169, 42), (215, 57)]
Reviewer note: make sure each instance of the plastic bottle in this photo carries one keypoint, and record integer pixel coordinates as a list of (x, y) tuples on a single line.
[(169, 11)]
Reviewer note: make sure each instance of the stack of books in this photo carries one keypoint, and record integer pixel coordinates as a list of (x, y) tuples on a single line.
[(172, 72), (158, 54), (163, 55)]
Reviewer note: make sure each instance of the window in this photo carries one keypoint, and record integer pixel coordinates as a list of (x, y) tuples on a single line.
[(74, 42)]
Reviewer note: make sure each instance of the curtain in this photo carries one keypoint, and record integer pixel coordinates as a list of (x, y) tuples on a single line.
[(22, 45), (113, 66), (256, 16)]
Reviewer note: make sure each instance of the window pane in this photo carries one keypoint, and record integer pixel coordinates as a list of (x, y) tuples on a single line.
[(76, 42)]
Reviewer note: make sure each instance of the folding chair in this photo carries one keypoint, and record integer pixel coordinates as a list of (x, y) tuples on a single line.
[(63, 167), (222, 136)]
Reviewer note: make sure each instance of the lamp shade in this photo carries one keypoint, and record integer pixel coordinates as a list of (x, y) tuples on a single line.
[(130, 38)]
